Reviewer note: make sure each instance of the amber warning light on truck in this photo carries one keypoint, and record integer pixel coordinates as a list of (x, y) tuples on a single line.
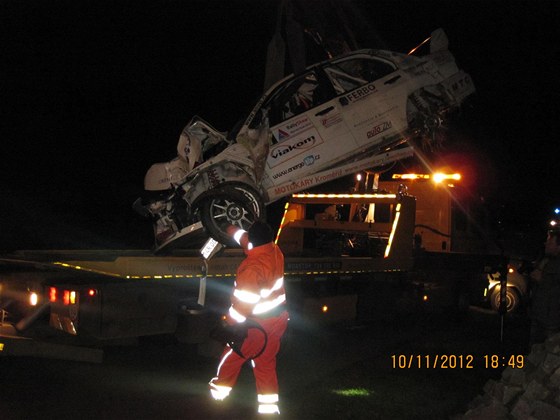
[(437, 177)]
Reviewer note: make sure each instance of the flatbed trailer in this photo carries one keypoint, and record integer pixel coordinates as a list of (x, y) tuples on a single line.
[(337, 269)]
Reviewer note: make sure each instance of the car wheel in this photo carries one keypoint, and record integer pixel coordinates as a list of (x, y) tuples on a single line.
[(512, 299), (234, 204)]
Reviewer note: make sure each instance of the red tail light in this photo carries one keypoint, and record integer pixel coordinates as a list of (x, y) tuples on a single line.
[(66, 297), (52, 294)]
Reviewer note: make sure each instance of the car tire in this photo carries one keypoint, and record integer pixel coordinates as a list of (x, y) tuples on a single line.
[(512, 299), (230, 204)]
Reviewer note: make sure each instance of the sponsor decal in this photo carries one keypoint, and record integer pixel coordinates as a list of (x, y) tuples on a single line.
[(330, 121), (307, 161), (295, 186), (380, 128), (282, 135), (291, 148), (292, 128), (358, 94), (378, 115), (308, 182), (310, 160), (319, 179), (284, 149), (298, 124)]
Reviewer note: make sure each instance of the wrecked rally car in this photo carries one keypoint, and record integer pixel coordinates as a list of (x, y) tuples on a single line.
[(349, 113)]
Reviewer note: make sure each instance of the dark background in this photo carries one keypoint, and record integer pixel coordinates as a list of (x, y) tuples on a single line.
[(94, 92)]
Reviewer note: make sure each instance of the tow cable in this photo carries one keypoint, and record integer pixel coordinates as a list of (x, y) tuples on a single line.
[(235, 335)]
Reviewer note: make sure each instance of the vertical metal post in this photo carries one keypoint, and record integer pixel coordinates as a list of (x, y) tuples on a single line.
[(503, 292), (370, 217), (202, 284)]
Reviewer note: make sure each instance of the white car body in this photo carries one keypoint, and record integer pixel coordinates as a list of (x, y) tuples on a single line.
[(349, 113)]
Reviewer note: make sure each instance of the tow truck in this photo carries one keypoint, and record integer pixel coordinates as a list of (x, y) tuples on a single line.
[(96, 297), (350, 257)]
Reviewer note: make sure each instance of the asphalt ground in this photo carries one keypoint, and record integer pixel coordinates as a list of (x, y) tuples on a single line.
[(350, 371)]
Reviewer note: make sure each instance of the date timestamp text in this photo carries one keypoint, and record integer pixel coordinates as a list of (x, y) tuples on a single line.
[(456, 361)]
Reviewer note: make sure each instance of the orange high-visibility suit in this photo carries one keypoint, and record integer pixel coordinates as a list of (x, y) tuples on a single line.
[(258, 295)]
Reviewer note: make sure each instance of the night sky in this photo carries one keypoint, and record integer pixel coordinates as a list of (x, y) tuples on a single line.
[(94, 92)]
